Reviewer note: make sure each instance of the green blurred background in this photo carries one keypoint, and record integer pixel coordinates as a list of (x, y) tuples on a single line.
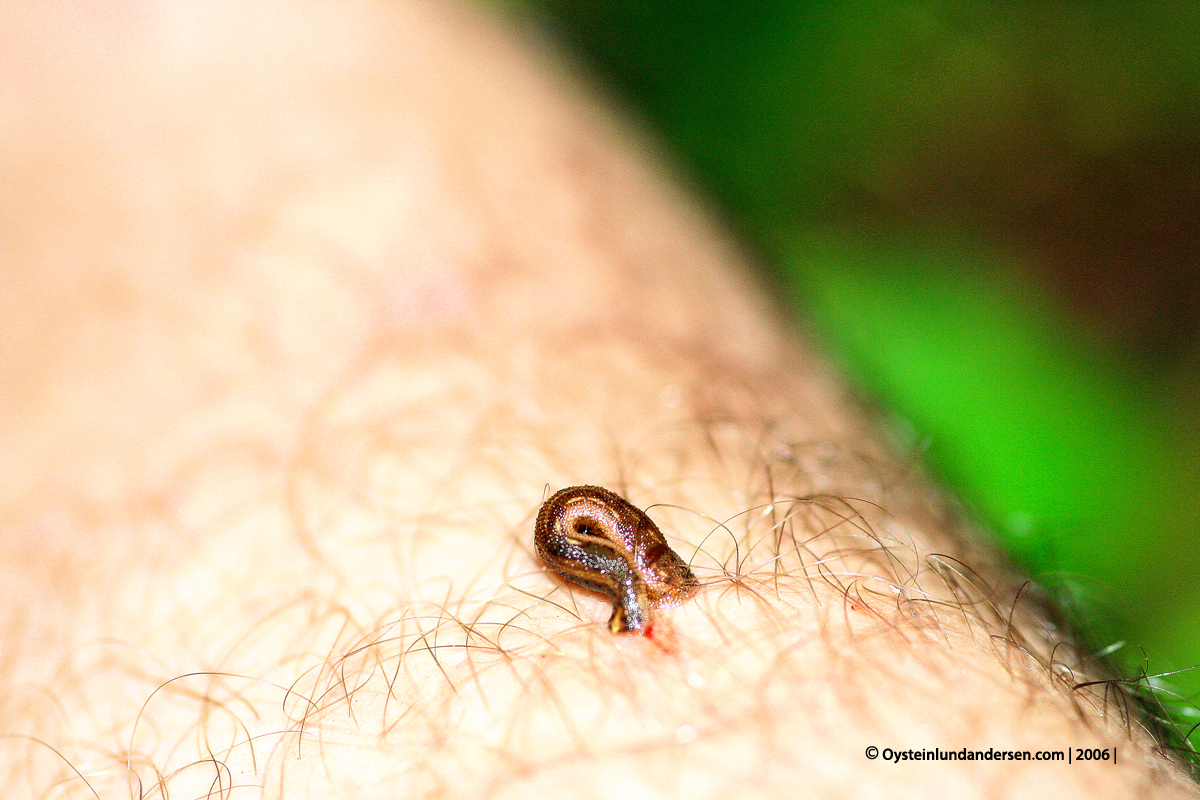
[(992, 214)]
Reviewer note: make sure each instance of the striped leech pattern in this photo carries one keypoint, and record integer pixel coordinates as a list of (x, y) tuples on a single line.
[(597, 539)]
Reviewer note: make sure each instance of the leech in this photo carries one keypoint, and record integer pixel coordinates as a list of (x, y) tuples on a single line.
[(596, 539)]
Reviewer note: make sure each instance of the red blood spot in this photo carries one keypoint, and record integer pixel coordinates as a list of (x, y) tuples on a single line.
[(663, 637)]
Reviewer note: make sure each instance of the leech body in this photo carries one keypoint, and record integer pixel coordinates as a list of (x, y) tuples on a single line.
[(598, 540)]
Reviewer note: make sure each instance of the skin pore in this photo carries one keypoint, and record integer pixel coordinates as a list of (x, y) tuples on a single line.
[(306, 309)]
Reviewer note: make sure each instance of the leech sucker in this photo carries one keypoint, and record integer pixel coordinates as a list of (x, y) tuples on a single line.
[(597, 539)]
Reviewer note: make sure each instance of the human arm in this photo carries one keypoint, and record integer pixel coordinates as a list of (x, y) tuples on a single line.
[(307, 310)]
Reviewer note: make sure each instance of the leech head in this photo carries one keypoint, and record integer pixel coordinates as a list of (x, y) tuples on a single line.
[(596, 539)]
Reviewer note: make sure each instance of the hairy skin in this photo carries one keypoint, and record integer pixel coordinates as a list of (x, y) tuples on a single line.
[(306, 308)]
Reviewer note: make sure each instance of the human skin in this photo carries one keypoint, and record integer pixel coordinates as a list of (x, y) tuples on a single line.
[(306, 308)]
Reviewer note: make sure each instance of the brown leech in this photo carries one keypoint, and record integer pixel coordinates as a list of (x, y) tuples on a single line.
[(598, 540)]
